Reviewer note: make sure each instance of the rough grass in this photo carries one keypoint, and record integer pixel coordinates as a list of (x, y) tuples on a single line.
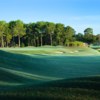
[(86, 88)]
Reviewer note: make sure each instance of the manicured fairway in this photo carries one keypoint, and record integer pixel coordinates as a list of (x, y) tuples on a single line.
[(25, 67), (39, 67)]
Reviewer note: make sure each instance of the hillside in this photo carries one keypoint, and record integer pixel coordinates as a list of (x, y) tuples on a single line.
[(44, 69), (86, 88), (54, 50)]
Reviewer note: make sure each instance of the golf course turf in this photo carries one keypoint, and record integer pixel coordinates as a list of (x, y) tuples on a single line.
[(49, 73)]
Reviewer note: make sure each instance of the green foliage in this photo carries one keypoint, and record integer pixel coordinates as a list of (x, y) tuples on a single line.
[(7, 34), (30, 37), (88, 35), (80, 37), (76, 44), (19, 29), (50, 27), (2, 31), (42, 33), (68, 34), (13, 34), (40, 30), (88, 31), (22, 45), (59, 32)]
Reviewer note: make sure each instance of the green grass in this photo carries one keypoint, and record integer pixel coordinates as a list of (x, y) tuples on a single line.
[(49, 73), (86, 88), (69, 51)]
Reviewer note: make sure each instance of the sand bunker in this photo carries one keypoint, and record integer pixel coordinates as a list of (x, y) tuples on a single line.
[(59, 52), (76, 51)]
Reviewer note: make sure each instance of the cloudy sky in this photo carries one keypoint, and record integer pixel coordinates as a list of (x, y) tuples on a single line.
[(79, 14)]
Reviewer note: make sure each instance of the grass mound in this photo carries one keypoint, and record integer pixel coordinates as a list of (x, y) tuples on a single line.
[(49, 74), (40, 67), (86, 88), (67, 51)]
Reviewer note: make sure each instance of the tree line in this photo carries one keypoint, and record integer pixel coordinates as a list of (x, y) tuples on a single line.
[(17, 33)]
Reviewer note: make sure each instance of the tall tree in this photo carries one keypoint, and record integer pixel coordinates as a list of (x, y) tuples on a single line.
[(50, 27), (40, 28), (59, 31), (79, 37), (30, 34), (98, 39), (2, 30), (88, 35), (19, 29), (68, 34), (11, 27), (8, 35), (88, 31)]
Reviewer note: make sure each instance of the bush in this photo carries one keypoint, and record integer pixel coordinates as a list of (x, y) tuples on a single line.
[(75, 44), (22, 45)]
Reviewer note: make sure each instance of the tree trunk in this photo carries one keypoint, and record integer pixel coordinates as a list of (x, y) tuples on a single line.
[(41, 39), (7, 44), (34, 42), (19, 40), (13, 44), (28, 41), (2, 44), (51, 39), (37, 41)]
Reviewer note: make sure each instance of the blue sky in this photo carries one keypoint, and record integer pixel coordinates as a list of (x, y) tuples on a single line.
[(79, 14)]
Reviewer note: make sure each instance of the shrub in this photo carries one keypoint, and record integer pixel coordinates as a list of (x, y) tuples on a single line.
[(75, 44)]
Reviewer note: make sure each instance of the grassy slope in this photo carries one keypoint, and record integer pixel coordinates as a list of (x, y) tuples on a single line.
[(17, 70), (70, 89), (71, 51)]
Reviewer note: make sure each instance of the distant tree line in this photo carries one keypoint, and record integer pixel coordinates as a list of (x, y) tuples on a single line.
[(17, 33)]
